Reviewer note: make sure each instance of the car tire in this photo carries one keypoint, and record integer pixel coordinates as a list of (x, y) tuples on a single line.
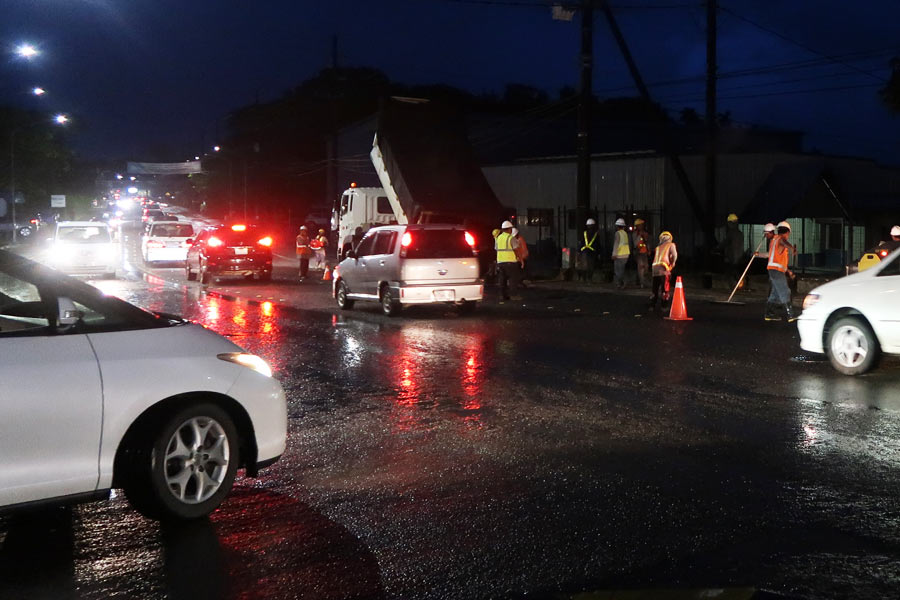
[(389, 305), (25, 232), (467, 307), (188, 274), (199, 446), (343, 302), (204, 276), (851, 346)]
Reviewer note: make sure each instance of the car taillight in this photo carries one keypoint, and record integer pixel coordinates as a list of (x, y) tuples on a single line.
[(883, 253), (214, 242), (239, 228), (470, 239), (406, 240), (266, 241), (34, 221), (155, 244)]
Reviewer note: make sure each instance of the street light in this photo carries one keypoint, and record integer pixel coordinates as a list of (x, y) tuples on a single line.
[(38, 91), (60, 119), (27, 51), (216, 148)]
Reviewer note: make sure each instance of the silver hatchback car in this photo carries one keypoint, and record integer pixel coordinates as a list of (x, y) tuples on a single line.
[(398, 265)]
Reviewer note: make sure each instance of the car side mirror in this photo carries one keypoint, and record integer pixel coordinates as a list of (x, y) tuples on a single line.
[(68, 313)]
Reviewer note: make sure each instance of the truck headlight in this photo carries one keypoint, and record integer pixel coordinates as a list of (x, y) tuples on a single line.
[(810, 300), (247, 360)]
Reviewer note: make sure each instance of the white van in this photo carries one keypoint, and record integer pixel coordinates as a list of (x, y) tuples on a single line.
[(84, 248), (398, 265)]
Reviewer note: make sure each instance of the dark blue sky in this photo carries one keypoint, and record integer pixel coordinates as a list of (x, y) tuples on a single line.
[(135, 72)]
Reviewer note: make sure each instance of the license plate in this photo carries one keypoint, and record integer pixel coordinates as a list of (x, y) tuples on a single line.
[(241, 250), (443, 295)]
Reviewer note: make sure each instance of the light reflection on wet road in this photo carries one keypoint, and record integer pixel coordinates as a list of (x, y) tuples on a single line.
[(440, 457)]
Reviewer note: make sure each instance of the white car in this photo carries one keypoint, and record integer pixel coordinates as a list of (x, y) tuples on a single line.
[(83, 248), (100, 394), (855, 318), (398, 265), (167, 241)]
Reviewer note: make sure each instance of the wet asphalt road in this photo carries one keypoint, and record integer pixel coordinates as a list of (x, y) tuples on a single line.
[(520, 451)]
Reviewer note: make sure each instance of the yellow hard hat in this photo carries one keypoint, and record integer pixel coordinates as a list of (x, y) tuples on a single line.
[(638, 221), (732, 218), (665, 234)]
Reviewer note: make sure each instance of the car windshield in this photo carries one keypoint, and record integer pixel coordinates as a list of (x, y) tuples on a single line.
[(438, 243), (88, 234), (172, 230)]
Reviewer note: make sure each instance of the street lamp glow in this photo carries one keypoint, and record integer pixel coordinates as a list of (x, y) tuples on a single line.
[(118, 176), (61, 119), (217, 148), (133, 178), (196, 158), (38, 91), (27, 51)]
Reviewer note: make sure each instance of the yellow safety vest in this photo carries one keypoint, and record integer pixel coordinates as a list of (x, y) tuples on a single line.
[(589, 245), (661, 257), (503, 245), (622, 248)]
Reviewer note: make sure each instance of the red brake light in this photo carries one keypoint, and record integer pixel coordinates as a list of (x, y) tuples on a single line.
[(470, 239), (883, 253), (214, 242), (266, 241), (34, 221), (239, 228), (406, 240)]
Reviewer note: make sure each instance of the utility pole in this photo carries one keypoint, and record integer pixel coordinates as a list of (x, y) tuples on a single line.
[(585, 105), (331, 143), (711, 125)]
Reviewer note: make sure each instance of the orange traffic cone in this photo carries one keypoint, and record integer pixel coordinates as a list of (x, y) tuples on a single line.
[(678, 312), (326, 276)]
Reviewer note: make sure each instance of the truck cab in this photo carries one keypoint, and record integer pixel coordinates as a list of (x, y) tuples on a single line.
[(359, 207)]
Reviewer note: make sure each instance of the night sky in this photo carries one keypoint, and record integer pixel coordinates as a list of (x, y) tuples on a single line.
[(137, 73)]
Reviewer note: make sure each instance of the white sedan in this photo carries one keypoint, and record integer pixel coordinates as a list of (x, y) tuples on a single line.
[(855, 318), (100, 394)]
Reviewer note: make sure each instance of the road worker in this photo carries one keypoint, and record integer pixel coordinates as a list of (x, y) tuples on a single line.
[(319, 245), (508, 270), (586, 260), (304, 252), (521, 254), (664, 258), (621, 250), (732, 248), (641, 240), (779, 257)]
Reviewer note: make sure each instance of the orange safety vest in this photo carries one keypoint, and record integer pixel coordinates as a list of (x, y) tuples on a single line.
[(661, 257), (778, 255)]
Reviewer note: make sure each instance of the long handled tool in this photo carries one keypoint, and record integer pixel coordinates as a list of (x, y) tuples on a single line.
[(744, 274)]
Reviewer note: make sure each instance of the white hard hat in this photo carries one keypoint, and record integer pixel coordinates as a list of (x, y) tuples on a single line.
[(590, 222), (515, 232), (303, 228), (620, 222), (506, 225), (895, 230), (784, 224), (769, 227)]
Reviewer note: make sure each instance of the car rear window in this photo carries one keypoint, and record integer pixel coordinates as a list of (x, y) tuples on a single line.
[(172, 230), (83, 235), (249, 237), (438, 243)]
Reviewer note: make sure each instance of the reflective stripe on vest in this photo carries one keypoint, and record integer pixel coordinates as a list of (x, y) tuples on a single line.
[(661, 257), (589, 245), (505, 252), (622, 248), (778, 255)]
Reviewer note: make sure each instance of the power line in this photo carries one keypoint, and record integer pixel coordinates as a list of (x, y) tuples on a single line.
[(798, 44)]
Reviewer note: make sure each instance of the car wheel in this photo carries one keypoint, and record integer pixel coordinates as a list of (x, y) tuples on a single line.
[(188, 274), (24, 232), (204, 276), (467, 307), (852, 346), (184, 468), (343, 302), (389, 304)]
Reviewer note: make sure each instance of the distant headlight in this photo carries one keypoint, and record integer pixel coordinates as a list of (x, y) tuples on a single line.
[(810, 300), (248, 360)]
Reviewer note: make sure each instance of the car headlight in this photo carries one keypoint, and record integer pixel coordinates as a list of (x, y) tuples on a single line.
[(247, 360), (810, 300)]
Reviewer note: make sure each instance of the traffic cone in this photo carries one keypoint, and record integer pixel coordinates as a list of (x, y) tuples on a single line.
[(678, 312), (326, 276)]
